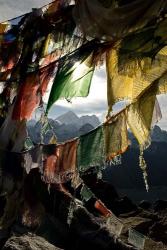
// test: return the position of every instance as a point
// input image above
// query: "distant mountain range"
(71, 118)
(65, 127)
(159, 135)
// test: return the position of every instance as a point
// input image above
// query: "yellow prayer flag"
(134, 78)
(140, 114)
(116, 136)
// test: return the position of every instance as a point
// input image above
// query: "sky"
(96, 102)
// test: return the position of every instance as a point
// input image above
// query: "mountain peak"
(158, 134)
(71, 118)
(68, 118)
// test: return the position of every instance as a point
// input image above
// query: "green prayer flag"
(28, 144)
(90, 151)
(86, 193)
(73, 78)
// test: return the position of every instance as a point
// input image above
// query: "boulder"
(28, 242)
(158, 231)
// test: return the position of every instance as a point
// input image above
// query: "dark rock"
(28, 242)
(138, 223)
(158, 231)
(88, 233)
(145, 204)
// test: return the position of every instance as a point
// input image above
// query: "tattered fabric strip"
(128, 84)
(140, 115)
(86, 193)
(152, 80)
(90, 152)
(157, 115)
(32, 158)
(74, 76)
(13, 134)
(45, 128)
(116, 135)
(53, 7)
(31, 92)
(100, 19)
(146, 111)
(10, 45)
(28, 98)
(59, 162)
(3, 27)
(141, 45)
(99, 205)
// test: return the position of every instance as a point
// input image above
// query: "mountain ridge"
(65, 127)
(71, 118)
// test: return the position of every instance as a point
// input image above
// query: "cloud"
(87, 108)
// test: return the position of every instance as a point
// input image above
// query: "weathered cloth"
(130, 83)
(90, 151)
(140, 115)
(112, 20)
(46, 31)
(46, 74)
(31, 92)
(99, 205)
(3, 27)
(53, 7)
(60, 162)
(86, 193)
(50, 47)
(145, 43)
(32, 158)
(28, 98)
(157, 115)
(145, 112)
(13, 134)
(116, 135)
(73, 77)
